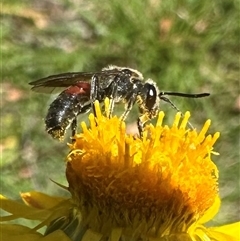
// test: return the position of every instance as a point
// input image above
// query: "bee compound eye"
(151, 95)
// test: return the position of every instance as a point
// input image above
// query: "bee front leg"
(141, 123)
(130, 102)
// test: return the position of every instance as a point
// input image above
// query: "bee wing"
(57, 82)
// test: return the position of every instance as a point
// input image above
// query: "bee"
(81, 89)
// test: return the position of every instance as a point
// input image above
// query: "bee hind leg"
(74, 128)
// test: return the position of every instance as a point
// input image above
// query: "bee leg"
(141, 123)
(94, 92)
(130, 102)
(74, 127)
(140, 126)
(112, 96)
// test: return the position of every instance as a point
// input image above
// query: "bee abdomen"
(61, 113)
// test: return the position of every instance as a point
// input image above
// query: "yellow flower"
(163, 187)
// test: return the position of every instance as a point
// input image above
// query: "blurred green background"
(186, 46)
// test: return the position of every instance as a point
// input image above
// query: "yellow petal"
(14, 232)
(211, 212)
(20, 210)
(40, 200)
(230, 232)
(116, 234)
(91, 236)
(55, 236)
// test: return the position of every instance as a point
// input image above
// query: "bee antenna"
(175, 107)
(184, 94)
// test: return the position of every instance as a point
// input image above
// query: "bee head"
(148, 99)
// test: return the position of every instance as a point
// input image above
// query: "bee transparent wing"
(55, 83)
(47, 89)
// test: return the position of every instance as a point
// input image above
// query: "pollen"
(155, 185)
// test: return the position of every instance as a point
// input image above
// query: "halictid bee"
(81, 89)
